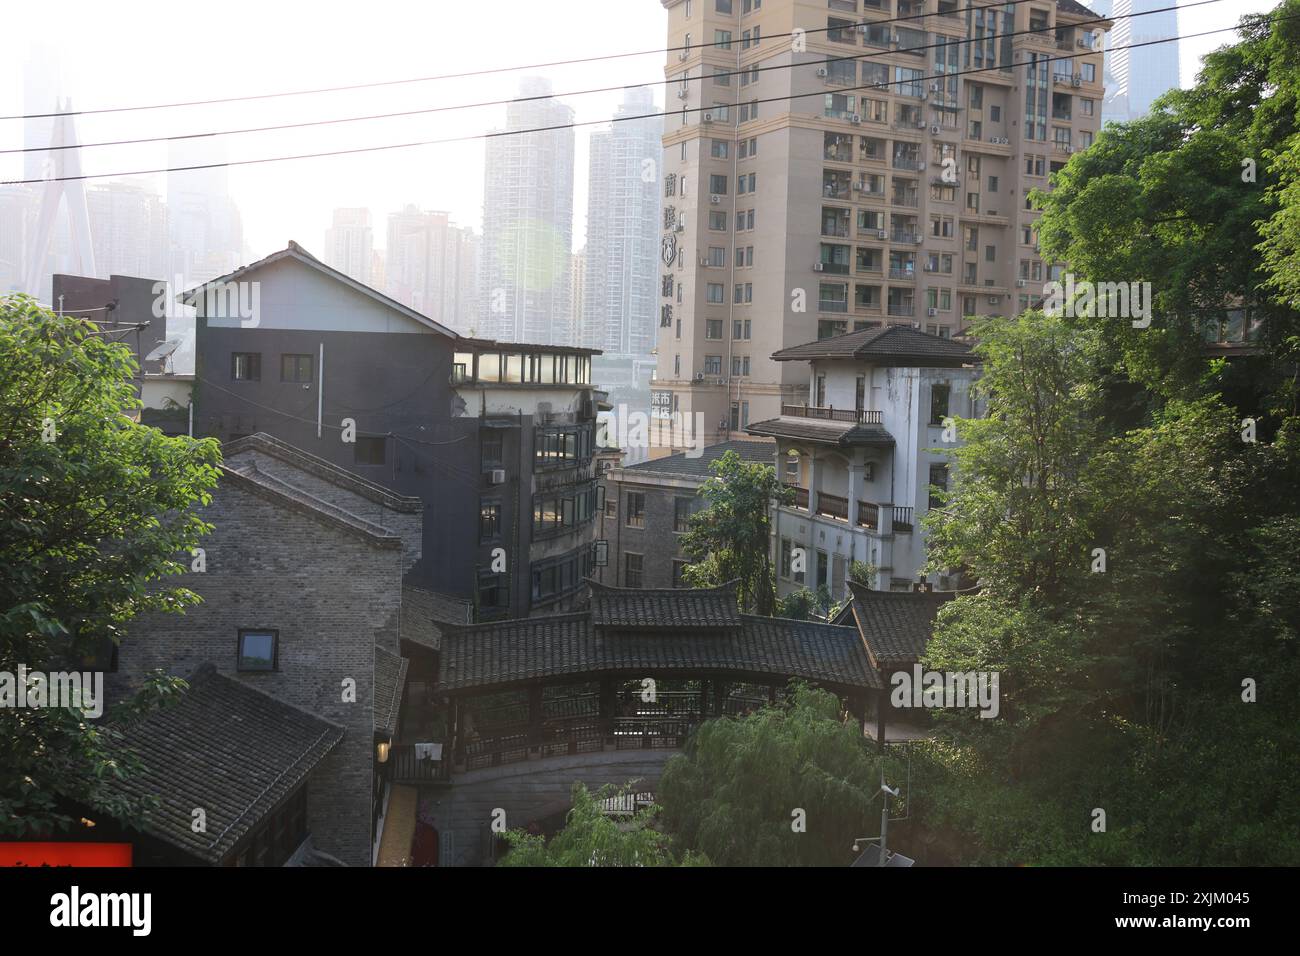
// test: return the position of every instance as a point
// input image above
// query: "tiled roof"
(390, 678)
(227, 748)
(654, 608)
(570, 644)
(425, 614)
(893, 345)
(822, 430)
(896, 625)
(683, 465)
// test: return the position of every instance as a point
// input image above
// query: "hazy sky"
(164, 50)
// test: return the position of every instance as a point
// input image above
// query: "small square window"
(246, 366)
(258, 650)
(295, 368)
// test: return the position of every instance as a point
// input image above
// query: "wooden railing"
(832, 414)
(406, 767)
(800, 496)
(833, 506)
(867, 517)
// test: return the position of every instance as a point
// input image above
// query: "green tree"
(734, 793)
(730, 539)
(592, 837)
(95, 511)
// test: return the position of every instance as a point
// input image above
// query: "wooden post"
(607, 707)
(703, 708)
(535, 718)
(882, 705)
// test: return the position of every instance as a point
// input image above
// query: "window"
(939, 395)
(246, 366)
(718, 184)
(295, 368)
(371, 450)
(721, 76)
(632, 566)
(491, 448)
(717, 257)
(679, 577)
(682, 514)
(713, 328)
(722, 39)
(719, 149)
(995, 114)
(564, 509)
(713, 365)
(717, 221)
(635, 509)
(939, 479)
(489, 520)
(558, 446)
(258, 650)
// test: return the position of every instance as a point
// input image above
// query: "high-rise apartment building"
(350, 244)
(1136, 76)
(620, 294)
(524, 258)
(128, 228)
(846, 164)
(431, 265)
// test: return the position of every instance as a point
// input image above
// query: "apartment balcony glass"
(835, 258)
(837, 147)
(833, 297)
(908, 198)
(837, 184)
(835, 222)
(841, 31)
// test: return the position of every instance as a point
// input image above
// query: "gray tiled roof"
(653, 608)
(822, 430)
(896, 625)
(390, 678)
(1072, 7)
(896, 345)
(227, 748)
(683, 465)
(425, 613)
(570, 644)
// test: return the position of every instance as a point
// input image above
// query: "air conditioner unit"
(1076, 80)
(929, 267)
(921, 124)
(715, 199)
(497, 476)
(681, 94)
(881, 234)
(699, 376)
(931, 311)
(704, 260)
(921, 167)
(1069, 149)
(993, 300)
(895, 39)
(935, 130)
(684, 55)
(818, 267)
(925, 97)
(706, 117)
(860, 187)
(1021, 283)
(823, 72)
(993, 139)
(934, 87)
(1083, 44)
(862, 28)
(855, 118)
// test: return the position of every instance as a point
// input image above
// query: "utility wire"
(572, 93)
(483, 72)
(617, 119)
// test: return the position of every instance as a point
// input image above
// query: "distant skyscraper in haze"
(350, 244)
(623, 203)
(524, 260)
(1135, 78)
(128, 229)
(206, 230)
(431, 265)
(41, 92)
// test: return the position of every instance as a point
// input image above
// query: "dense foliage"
(95, 511)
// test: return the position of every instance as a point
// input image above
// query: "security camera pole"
(888, 791)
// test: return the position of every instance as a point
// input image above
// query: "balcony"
(867, 515)
(831, 414)
(906, 200)
(902, 519)
(900, 235)
(901, 309)
(832, 305)
(907, 162)
(800, 496)
(907, 274)
(833, 506)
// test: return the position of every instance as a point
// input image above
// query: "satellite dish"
(164, 350)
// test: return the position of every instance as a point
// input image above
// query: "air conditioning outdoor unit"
(855, 118)
(715, 199)
(929, 267)
(699, 376)
(921, 124)
(993, 300)
(706, 117)
(497, 476)
(1076, 80)
(681, 94)
(934, 130)
(818, 267)
(1084, 44)
(934, 87)
(823, 72)
(881, 234)
(931, 311)
(1021, 283)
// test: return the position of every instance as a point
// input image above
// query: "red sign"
(65, 854)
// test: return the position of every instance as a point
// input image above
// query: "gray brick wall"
(331, 595)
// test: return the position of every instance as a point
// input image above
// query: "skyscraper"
(1136, 77)
(350, 244)
(524, 258)
(619, 297)
(431, 265)
(857, 175)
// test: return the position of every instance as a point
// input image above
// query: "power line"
(484, 72)
(617, 119)
(573, 93)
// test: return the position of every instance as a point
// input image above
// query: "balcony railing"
(867, 515)
(901, 235)
(902, 518)
(800, 496)
(831, 414)
(832, 305)
(833, 506)
(901, 309)
(908, 200)
(901, 273)
(835, 268)
(405, 767)
(903, 162)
